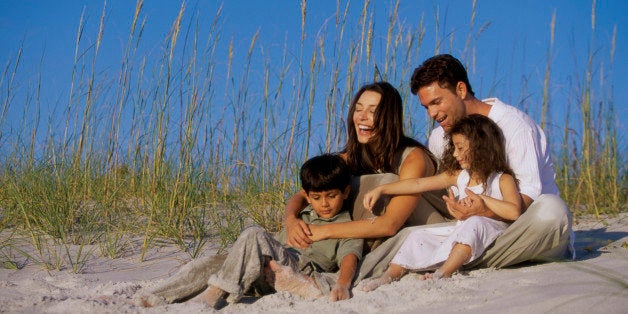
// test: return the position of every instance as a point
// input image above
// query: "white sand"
(596, 283)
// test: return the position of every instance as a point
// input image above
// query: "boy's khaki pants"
(241, 270)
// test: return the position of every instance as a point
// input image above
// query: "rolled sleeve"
(349, 246)
(524, 161)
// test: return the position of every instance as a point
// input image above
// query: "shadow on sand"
(590, 243)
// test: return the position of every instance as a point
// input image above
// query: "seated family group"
(482, 194)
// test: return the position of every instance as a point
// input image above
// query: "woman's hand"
(297, 233)
(316, 233)
(371, 197)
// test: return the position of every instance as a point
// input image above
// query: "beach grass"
(190, 146)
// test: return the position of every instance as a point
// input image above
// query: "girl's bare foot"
(288, 280)
(434, 276)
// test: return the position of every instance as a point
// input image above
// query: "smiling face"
(443, 105)
(327, 203)
(364, 115)
(461, 150)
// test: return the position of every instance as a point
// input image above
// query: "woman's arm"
(297, 231)
(416, 165)
(409, 186)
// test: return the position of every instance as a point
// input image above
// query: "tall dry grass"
(591, 170)
(190, 145)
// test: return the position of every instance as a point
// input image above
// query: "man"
(544, 230)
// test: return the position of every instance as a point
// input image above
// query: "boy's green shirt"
(326, 254)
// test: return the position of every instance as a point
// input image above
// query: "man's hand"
(297, 233)
(472, 205)
(339, 292)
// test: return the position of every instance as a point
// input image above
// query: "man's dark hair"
(325, 172)
(444, 69)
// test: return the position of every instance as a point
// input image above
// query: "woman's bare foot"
(371, 284)
(211, 297)
(288, 280)
(394, 272)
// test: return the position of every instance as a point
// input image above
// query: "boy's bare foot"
(146, 300)
(288, 280)
(373, 283)
(212, 297)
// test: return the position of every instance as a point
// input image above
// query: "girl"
(474, 164)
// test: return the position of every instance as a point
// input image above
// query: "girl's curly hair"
(487, 153)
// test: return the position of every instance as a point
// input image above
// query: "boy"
(257, 259)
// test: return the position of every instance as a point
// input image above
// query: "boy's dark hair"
(444, 69)
(325, 172)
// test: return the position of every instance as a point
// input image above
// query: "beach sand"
(596, 282)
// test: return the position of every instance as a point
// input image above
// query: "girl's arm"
(409, 186)
(416, 165)
(510, 207)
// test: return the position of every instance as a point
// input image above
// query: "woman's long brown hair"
(381, 154)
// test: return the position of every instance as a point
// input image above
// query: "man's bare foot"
(212, 297)
(288, 280)
(373, 283)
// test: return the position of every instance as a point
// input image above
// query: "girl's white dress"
(427, 248)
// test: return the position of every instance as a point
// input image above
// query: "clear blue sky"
(513, 45)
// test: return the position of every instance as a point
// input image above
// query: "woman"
(379, 152)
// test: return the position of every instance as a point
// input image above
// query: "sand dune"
(596, 282)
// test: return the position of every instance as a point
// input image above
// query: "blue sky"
(512, 43)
